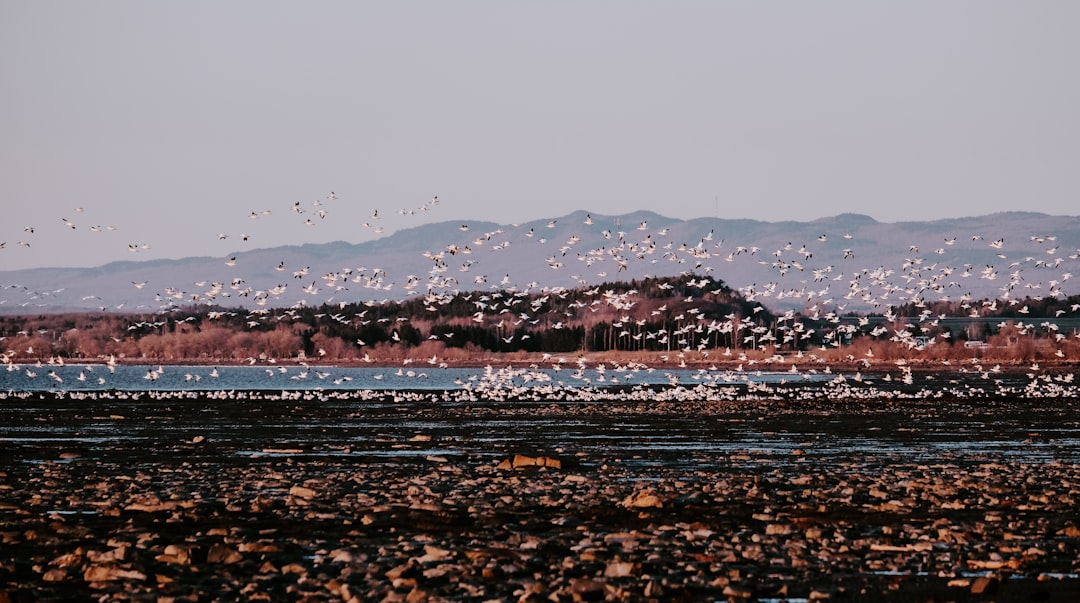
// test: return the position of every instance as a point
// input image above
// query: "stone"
(984, 585)
(302, 492)
(737, 593)
(546, 461)
(520, 460)
(116, 554)
(434, 553)
(220, 553)
(585, 589)
(108, 573)
(179, 555)
(620, 569)
(778, 529)
(55, 575)
(642, 500)
(341, 556)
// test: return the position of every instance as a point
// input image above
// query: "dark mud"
(308, 497)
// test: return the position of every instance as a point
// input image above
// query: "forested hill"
(684, 316)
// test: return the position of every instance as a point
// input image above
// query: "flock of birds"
(454, 266)
(818, 277)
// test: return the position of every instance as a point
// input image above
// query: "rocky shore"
(275, 498)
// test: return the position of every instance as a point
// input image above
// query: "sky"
(168, 123)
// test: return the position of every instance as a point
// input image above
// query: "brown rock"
(341, 556)
(220, 553)
(737, 593)
(67, 560)
(520, 460)
(778, 529)
(620, 569)
(585, 589)
(116, 554)
(433, 553)
(179, 555)
(984, 585)
(546, 461)
(258, 547)
(293, 568)
(400, 571)
(55, 575)
(642, 500)
(107, 573)
(302, 492)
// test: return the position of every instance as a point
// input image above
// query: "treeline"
(675, 314)
(646, 314)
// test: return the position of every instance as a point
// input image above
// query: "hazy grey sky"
(174, 121)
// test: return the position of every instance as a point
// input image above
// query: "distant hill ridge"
(850, 260)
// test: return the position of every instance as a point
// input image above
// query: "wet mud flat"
(307, 496)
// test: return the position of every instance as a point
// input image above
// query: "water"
(96, 377)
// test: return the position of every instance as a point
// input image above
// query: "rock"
(220, 553)
(400, 571)
(642, 500)
(258, 547)
(778, 529)
(67, 560)
(584, 589)
(546, 461)
(620, 569)
(341, 556)
(153, 507)
(116, 554)
(984, 585)
(108, 573)
(520, 460)
(737, 593)
(55, 575)
(434, 553)
(293, 568)
(178, 555)
(302, 492)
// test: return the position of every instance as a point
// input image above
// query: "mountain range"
(849, 261)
